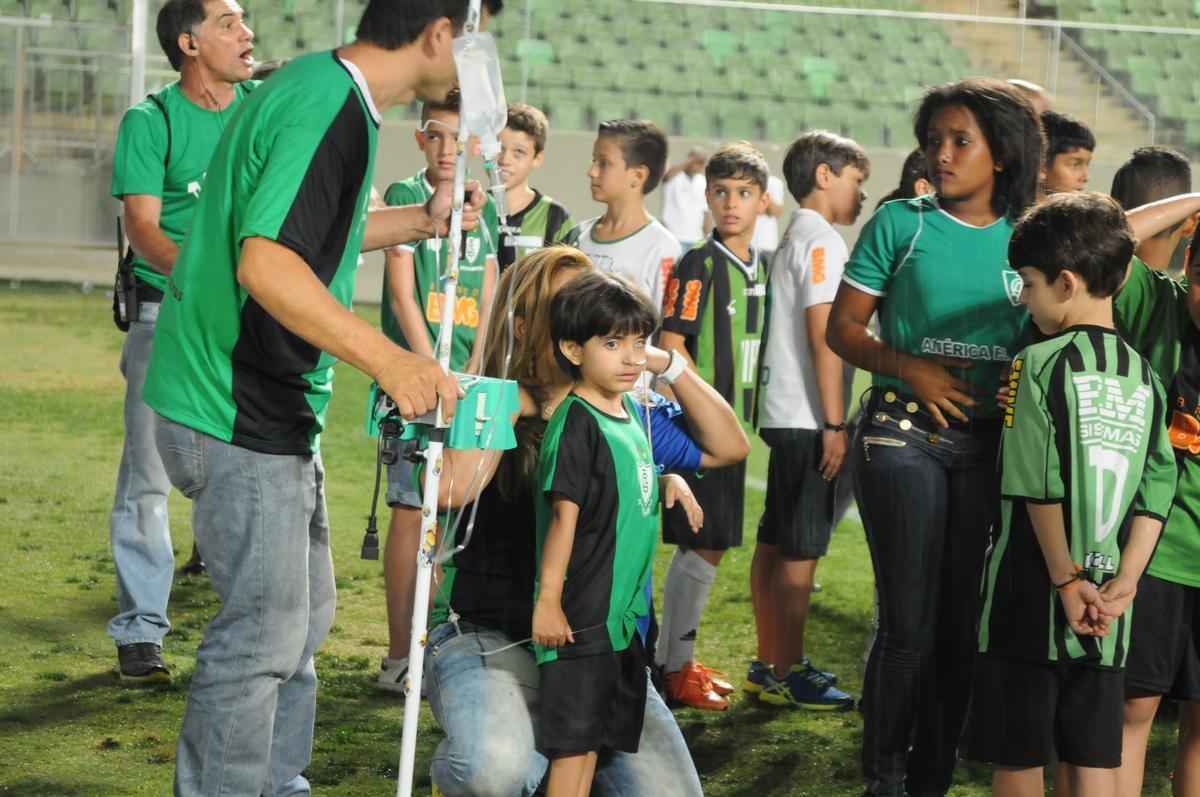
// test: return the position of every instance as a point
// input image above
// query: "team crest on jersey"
(646, 486)
(1012, 286)
(472, 248)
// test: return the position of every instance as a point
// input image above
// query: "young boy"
(804, 392)
(534, 220)
(1151, 174)
(1069, 148)
(411, 315)
(713, 318)
(597, 519)
(628, 161)
(1087, 480)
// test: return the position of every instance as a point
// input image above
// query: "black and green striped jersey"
(1085, 427)
(717, 302)
(604, 465)
(542, 223)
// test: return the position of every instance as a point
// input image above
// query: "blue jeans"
(487, 706)
(138, 531)
(261, 526)
(928, 498)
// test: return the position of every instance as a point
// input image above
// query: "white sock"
(689, 579)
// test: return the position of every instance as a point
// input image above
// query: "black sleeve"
(574, 459)
(687, 291)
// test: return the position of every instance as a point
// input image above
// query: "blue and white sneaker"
(806, 663)
(804, 687)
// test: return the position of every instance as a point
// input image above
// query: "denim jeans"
(138, 532)
(928, 498)
(487, 706)
(261, 526)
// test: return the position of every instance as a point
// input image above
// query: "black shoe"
(142, 663)
(194, 566)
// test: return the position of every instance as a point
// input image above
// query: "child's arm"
(486, 299)
(1149, 220)
(675, 490)
(830, 372)
(1081, 600)
(1135, 556)
(402, 283)
(550, 626)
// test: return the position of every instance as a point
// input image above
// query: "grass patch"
(68, 728)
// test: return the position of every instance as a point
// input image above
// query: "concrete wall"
(58, 211)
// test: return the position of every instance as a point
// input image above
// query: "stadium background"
(704, 70)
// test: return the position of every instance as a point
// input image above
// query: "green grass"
(67, 728)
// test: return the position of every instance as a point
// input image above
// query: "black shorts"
(1024, 713)
(1163, 658)
(799, 511)
(592, 703)
(722, 495)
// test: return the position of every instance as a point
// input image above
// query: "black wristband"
(835, 427)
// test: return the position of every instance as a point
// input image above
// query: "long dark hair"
(1012, 129)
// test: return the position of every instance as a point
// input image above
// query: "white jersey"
(805, 272)
(684, 206)
(766, 229)
(646, 256)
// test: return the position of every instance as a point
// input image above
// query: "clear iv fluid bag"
(484, 107)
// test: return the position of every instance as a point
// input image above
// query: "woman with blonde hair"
(481, 675)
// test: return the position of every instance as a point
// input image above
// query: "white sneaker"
(392, 673)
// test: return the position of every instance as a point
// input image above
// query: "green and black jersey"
(1086, 428)
(542, 223)
(604, 465)
(716, 302)
(294, 167)
(164, 146)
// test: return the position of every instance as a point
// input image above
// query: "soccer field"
(68, 728)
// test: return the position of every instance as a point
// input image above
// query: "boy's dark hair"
(391, 25)
(915, 167)
(1065, 133)
(530, 121)
(175, 18)
(1011, 127)
(738, 161)
(452, 104)
(1150, 174)
(1083, 232)
(642, 144)
(598, 304)
(810, 151)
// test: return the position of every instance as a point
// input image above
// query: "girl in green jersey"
(935, 269)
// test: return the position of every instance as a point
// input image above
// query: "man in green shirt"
(256, 314)
(162, 154)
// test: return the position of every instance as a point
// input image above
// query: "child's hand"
(1084, 608)
(657, 359)
(937, 389)
(833, 453)
(1117, 595)
(550, 626)
(675, 490)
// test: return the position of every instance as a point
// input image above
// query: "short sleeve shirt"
(293, 167)
(715, 300)
(142, 164)
(684, 206)
(429, 262)
(805, 272)
(543, 223)
(766, 228)
(646, 257)
(945, 289)
(1085, 428)
(1151, 313)
(602, 464)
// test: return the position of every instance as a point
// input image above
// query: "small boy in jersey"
(411, 314)
(804, 393)
(1087, 479)
(628, 161)
(1069, 148)
(712, 316)
(597, 519)
(1151, 174)
(534, 219)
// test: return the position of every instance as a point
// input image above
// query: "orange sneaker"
(719, 680)
(691, 687)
